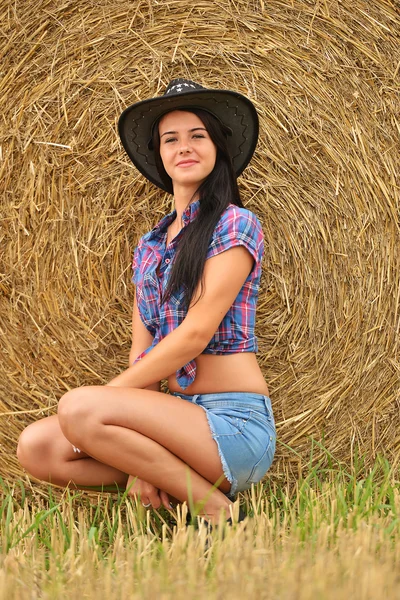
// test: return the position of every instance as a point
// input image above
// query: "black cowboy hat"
(235, 111)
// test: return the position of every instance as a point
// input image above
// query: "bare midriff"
(224, 373)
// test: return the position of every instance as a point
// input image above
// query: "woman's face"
(186, 149)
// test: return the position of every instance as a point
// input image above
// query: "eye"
(195, 135)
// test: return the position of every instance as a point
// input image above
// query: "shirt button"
(167, 261)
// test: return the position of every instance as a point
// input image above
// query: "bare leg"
(45, 453)
(161, 439)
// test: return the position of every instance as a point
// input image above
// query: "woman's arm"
(224, 275)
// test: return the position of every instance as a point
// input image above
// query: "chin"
(192, 181)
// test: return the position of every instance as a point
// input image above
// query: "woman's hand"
(149, 494)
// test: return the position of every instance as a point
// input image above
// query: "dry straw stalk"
(324, 77)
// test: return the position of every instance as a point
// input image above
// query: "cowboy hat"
(235, 111)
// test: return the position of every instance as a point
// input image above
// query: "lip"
(187, 163)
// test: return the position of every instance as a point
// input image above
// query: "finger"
(165, 500)
(154, 498)
(134, 492)
(132, 485)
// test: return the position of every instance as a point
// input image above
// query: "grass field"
(334, 534)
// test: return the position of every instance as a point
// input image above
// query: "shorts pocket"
(262, 466)
(263, 417)
(236, 418)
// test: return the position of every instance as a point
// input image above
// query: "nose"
(185, 147)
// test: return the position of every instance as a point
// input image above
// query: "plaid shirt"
(236, 227)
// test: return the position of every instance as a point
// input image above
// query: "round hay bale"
(324, 77)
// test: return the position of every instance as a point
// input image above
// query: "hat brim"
(233, 109)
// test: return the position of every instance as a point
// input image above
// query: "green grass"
(332, 534)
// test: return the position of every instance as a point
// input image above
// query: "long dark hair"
(215, 193)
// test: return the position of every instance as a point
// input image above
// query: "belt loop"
(268, 405)
(195, 397)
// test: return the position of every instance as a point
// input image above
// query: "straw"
(323, 181)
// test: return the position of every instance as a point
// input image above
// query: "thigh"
(178, 425)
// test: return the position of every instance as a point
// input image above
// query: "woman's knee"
(76, 414)
(34, 449)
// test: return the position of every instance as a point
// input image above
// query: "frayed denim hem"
(232, 494)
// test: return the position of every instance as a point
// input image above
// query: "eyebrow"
(190, 130)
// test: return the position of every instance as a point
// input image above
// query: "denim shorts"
(242, 424)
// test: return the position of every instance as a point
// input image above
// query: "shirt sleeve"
(237, 227)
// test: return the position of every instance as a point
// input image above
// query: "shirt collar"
(188, 215)
(191, 212)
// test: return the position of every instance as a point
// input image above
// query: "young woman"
(196, 278)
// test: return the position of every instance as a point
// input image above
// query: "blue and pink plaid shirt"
(236, 227)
